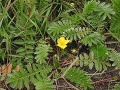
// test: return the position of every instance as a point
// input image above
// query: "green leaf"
(44, 84)
(41, 52)
(21, 42)
(20, 50)
(115, 22)
(100, 52)
(56, 64)
(24, 77)
(89, 8)
(91, 65)
(104, 10)
(56, 29)
(79, 77)
(26, 82)
(116, 87)
(93, 38)
(29, 69)
(75, 33)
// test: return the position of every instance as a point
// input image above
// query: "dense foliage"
(29, 30)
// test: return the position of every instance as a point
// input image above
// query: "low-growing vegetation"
(59, 44)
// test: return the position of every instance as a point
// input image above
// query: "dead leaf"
(9, 68)
(3, 69)
(6, 69)
(17, 68)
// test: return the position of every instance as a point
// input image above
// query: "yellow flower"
(74, 51)
(72, 4)
(62, 42)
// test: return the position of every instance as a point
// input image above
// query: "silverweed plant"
(59, 44)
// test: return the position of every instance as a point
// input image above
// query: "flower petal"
(62, 46)
(66, 41)
(62, 42)
(60, 39)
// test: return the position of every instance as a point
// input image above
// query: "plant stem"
(72, 86)
(58, 53)
(63, 75)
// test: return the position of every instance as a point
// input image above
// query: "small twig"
(107, 34)
(72, 86)
(112, 42)
(95, 74)
(116, 82)
(51, 73)
(105, 80)
(63, 75)
(13, 3)
(63, 86)
(6, 85)
(8, 5)
(56, 84)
